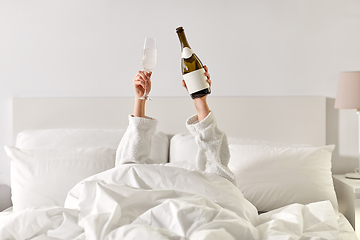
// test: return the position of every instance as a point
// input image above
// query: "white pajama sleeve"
(135, 145)
(213, 151)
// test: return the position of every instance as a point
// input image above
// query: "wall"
(253, 48)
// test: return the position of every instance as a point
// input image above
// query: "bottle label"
(186, 52)
(196, 80)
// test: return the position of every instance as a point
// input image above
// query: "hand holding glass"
(148, 59)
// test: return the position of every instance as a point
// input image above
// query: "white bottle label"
(186, 52)
(196, 81)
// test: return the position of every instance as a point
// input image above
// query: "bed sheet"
(346, 231)
(162, 202)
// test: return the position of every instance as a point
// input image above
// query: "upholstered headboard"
(285, 119)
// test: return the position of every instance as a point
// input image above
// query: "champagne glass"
(148, 59)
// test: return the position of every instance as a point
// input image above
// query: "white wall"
(253, 48)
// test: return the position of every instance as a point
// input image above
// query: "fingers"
(142, 78)
(207, 75)
(209, 82)
(184, 84)
(207, 78)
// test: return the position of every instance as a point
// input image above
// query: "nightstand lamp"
(348, 97)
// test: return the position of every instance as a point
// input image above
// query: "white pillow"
(183, 146)
(87, 138)
(43, 177)
(272, 176)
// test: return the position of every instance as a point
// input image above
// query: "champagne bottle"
(192, 69)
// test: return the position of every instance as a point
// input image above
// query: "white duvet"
(141, 201)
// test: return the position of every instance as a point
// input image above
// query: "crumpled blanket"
(140, 201)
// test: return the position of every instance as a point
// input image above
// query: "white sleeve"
(213, 151)
(135, 145)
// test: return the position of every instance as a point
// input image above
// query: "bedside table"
(348, 196)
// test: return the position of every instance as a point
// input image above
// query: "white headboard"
(285, 119)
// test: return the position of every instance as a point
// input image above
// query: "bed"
(65, 186)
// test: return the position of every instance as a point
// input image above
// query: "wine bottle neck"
(183, 40)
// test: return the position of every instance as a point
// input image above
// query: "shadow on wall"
(5, 197)
(340, 163)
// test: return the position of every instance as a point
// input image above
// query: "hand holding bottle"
(207, 79)
(200, 103)
(192, 69)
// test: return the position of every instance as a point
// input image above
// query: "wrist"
(139, 108)
(202, 107)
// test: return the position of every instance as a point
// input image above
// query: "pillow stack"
(270, 174)
(46, 164)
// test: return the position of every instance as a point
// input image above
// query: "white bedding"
(152, 201)
(162, 202)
